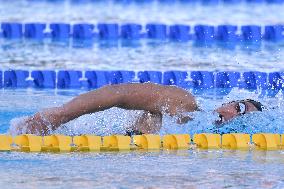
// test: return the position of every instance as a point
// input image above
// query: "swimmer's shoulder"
(163, 90)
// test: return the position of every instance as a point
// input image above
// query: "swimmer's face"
(231, 110)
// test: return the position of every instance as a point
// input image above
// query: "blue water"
(161, 169)
(168, 169)
(165, 169)
(146, 55)
(143, 55)
(168, 13)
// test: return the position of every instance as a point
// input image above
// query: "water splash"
(18, 126)
(268, 121)
(112, 121)
(117, 121)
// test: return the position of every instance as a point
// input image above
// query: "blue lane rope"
(73, 79)
(134, 31)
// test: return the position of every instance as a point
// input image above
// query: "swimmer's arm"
(181, 115)
(94, 101)
(121, 96)
(90, 102)
(182, 119)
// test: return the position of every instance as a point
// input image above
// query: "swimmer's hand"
(37, 126)
(42, 123)
(29, 125)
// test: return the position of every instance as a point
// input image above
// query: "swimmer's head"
(234, 109)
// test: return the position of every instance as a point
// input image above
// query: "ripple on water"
(210, 169)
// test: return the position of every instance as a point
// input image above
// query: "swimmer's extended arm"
(128, 96)
(94, 101)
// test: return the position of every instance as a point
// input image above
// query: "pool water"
(168, 13)
(167, 169)
(163, 169)
(141, 169)
(144, 55)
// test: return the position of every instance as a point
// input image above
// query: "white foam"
(18, 126)
(112, 121)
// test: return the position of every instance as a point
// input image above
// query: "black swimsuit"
(131, 132)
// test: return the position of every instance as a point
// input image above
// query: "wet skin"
(231, 110)
(155, 100)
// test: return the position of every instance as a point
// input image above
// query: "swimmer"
(155, 100)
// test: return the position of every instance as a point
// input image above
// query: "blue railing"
(73, 79)
(132, 31)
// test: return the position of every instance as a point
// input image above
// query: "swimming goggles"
(241, 107)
